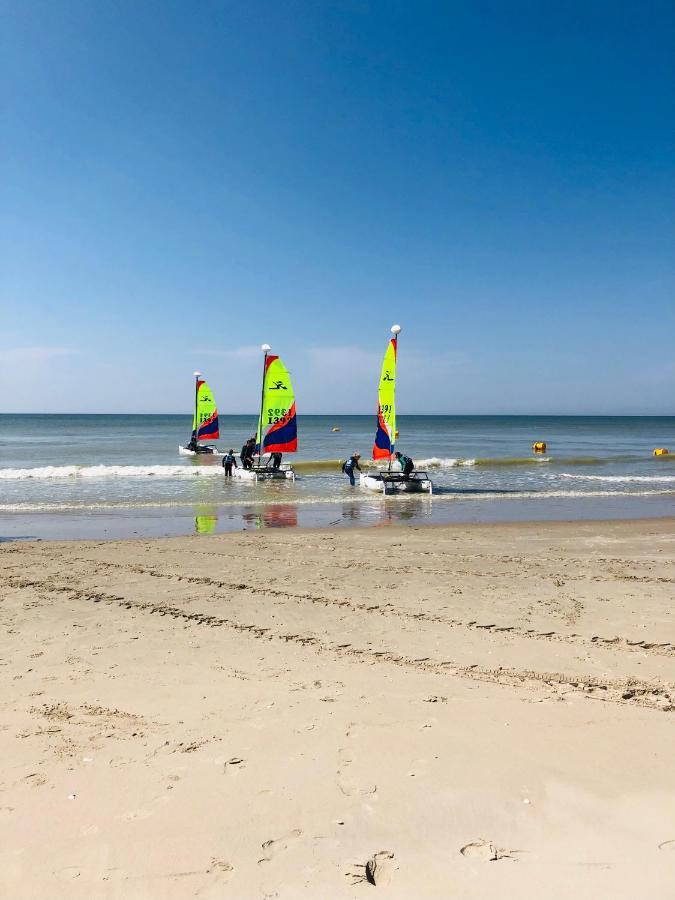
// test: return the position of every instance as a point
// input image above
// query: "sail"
(277, 428)
(205, 422)
(386, 409)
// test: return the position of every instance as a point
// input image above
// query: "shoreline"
(516, 524)
(115, 523)
(484, 705)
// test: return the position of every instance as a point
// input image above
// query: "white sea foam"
(50, 472)
(549, 495)
(365, 500)
(453, 462)
(621, 479)
(440, 462)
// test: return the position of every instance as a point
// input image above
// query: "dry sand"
(460, 712)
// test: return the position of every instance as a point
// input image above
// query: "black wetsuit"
(407, 465)
(348, 468)
(228, 462)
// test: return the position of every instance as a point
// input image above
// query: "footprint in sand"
(378, 870)
(667, 845)
(278, 845)
(218, 874)
(486, 851)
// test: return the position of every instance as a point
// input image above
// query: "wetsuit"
(229, 461)
(348, 468)
(247, 452)
(407, 465)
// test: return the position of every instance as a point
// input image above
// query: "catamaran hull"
(394, 483)
(262, 473)
(204, 451)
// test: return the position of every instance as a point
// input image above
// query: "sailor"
(407, 465)
(247, 453)
(349, 466)
(229, 460)
(193, 445)
(276, 461)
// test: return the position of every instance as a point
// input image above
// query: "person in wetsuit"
(229, 460)
(349, 466)
(276, 461)
(247, 453)
(407, 465)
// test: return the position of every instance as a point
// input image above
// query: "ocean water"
(116, 475)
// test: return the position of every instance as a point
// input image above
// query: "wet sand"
(464, 711)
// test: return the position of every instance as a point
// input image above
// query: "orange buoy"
(661, 451)
(539, 446)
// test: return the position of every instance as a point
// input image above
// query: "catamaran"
(388, 481)
(204, 422)
(277, 431)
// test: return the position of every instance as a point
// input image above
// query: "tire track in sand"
(629, 690)
(389, 609)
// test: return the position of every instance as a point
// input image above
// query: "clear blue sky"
(183, 181)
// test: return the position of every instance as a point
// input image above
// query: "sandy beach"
(471, 711)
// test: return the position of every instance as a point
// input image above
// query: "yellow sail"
(386, 408)
(205, 421)
(277, 427)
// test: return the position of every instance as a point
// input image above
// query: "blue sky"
(183, 181)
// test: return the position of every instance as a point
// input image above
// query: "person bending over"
(407, 465)
(247, 453)
(349, 466)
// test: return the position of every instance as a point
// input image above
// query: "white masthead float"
(204, 422)
(277, 431)
(388, 481)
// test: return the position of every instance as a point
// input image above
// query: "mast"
(265, 349)
(395, 330)
(197, 375)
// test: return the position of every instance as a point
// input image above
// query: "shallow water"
(97, 475)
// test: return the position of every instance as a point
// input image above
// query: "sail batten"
(205, 421)
(277, 426)
(386, 407)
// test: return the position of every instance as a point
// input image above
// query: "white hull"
(265, 473)
(206, 451)
(396, 482)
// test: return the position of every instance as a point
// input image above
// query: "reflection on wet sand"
(206, 518)
(400, 509)
(275, 515)
(285, 515)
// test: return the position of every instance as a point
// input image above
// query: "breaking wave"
(438, 462)
(621, 479)
(50, 472)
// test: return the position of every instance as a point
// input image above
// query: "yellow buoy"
(539, 446)
(335, 428)
(661, 451)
